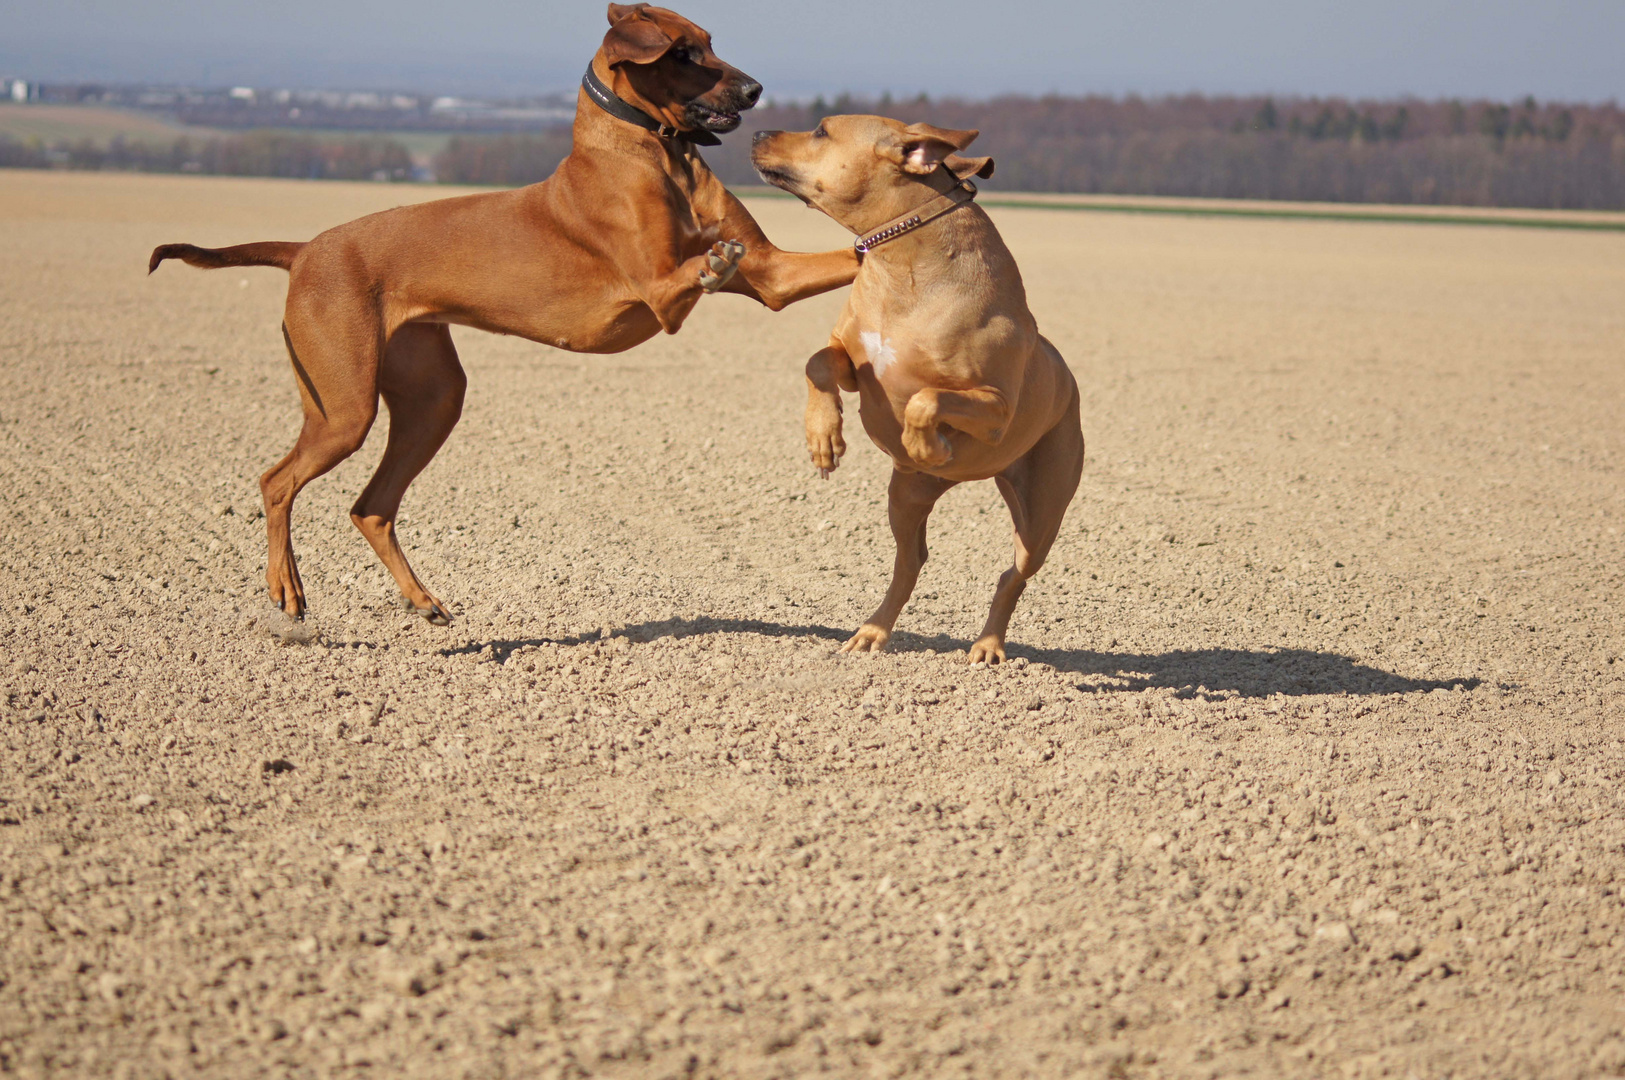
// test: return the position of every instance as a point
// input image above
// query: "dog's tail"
(267, 253)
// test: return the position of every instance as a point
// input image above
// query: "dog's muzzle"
(776, 175)
(722, 115)
(712, 118)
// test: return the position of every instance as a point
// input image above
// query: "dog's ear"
(633, 37)
(920, 148)
(967, 167)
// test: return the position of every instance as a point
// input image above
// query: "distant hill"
(73, 123)
(1482, 153)
(1444, 153)
(1451, 153)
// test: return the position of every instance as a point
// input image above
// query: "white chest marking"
(881, 353)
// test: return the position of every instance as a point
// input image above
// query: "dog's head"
(664, 65)
(862, 170)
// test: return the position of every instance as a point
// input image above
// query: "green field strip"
(1284, 213)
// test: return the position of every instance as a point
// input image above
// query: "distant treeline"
(1479, 153)
(1444, 153)
(257, 153)
(505, 160)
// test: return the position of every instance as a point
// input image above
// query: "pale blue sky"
(1568, 49)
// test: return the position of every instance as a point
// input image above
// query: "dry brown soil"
(1308, 762)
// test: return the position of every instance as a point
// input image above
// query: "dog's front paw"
(824, 440)
(927, 446)
(721, 262)
(924, 440)
(869, 638)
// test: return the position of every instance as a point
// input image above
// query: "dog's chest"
(878, 350)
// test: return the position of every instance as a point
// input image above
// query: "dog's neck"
(954, 260)
(597, 131)
(907, 202)
(922, 239)
(597, 89)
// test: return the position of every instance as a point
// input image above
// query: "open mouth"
(711, 118)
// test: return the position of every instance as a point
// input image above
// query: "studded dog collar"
(621, 109)
(961, 193)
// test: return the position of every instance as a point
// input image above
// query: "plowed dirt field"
(1308, 761)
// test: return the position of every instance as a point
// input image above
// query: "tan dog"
(953, 379)
(616, 246)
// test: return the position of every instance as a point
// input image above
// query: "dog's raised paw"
(723, 261)
(825, 443)
(928, 446)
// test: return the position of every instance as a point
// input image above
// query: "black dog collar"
(606, 99)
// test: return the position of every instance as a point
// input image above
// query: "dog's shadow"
(1191, 673)
(1249, 673)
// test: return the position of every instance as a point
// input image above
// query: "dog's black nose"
(762, 136)
(752, 91)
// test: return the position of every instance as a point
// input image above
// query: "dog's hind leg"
(337, 387)
(908, 505)
(1038, 487)
(422, 383)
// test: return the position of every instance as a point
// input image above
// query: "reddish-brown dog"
(616, 246)
(953, 378)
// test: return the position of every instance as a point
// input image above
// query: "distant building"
(243, 93)
(22, 91)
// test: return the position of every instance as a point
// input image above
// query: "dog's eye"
(692, 55)
(820, 133)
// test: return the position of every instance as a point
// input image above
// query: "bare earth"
(1309, 761)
